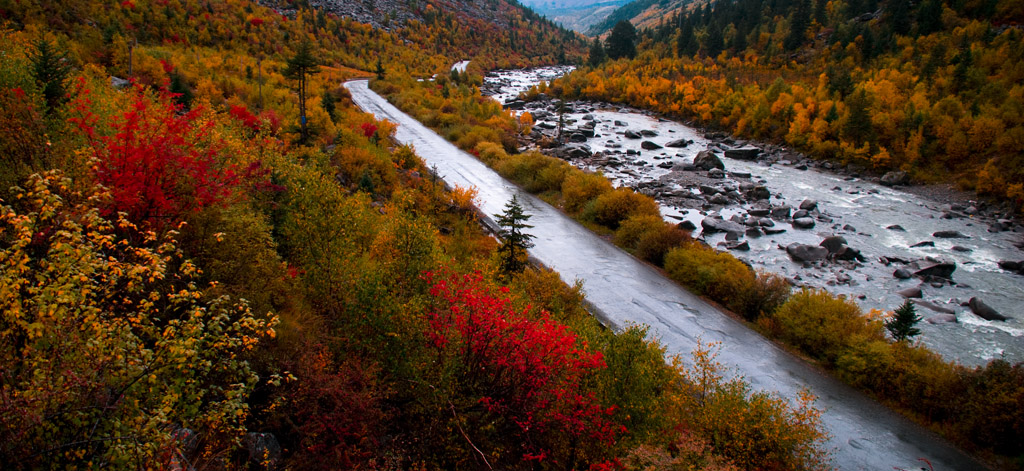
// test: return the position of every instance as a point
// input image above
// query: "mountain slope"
(577, 15)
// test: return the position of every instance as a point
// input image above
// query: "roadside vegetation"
(964, 404)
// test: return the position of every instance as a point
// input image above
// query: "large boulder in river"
(933, 267)
(894, 178)
(806, 252)
(713, 224)
(984, 311)
(749, 153)
(833, 243)
(632, 135)
(648, 145)
(678, 143)
(705, 160)
(808, 205)
(949, 235)
(803, 223)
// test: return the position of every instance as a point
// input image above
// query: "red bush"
(527, 371)
(159, 164)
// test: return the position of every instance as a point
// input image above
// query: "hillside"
(211, 259)
(930, 88)
(577, 15)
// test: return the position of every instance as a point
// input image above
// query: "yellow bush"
(536, 172)
(611, 208)
(824, 326)
(715, 274)
(649, 237)
(490, 152)
(579, 188)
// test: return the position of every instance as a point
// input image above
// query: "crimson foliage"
(159, 163)
(527, 373)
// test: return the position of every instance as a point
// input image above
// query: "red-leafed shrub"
(242, 114)
(335, 411)
(159, 164)
(521, 377)
(368, 129)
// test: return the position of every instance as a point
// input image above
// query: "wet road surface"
(865, 435)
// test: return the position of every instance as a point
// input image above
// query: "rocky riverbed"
(872, 238)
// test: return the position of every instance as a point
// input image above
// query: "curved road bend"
(866, 435)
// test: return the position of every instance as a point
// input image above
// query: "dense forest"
(933, 88)
(210, 259)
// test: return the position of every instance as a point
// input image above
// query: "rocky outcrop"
(933, 268)
(895, 178)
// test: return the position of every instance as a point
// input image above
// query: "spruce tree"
(299, 66)
(50, 69)
(622, 41)
(902, 324)
(514, 240)
(597, 55)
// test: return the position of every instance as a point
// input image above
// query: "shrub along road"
(622, 290)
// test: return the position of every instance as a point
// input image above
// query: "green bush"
(536, 172)
(763, 296)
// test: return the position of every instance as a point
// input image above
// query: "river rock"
(849, 253)
(781, 212)
(912, 292)
(833, 243)
(759, 193)
(716, 173)
(687, 225)
(902, 273)
(949, 235)
(759, 211)
(719, 199)
(773, 230)
(749, 153)
(678, 143)
(632, 135)
(896, 227)
(897, 177)
(935, 307)
(712, 224)
(926, 243)
(942, 319)
(806, 252)
(648, 145)
(808, 205)
(984, 311)
(621, 123)
(706, 160)
(960, 248)
(648, 133)
(804, 223)
(801, 213)
(1013, 266)
(577, 137)
(738, 245)
(933, 268)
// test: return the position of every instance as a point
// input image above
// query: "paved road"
(865, 435)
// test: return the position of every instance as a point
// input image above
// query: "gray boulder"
(806, 252)
(949, 235)
(632, 135)
(896, 227)
(716, 173)
(942, 319)
(687, 225)
(648, 145)
(894, 178)
(833, 243)
(712, 224)
(808, 205)
(781, 212)
(933, 267)
(748, 153)
(804, 223)
(913, 292)
(902, 273)
(984, 311)
(759, 193)
(705, 160)
(678, 143)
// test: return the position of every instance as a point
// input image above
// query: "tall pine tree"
(299, 66)
(902, 324)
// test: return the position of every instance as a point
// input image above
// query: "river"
(865, 435)
(855, 208)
